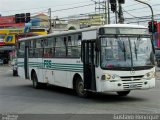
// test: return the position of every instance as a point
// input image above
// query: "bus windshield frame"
(134, 54)
(123, 31)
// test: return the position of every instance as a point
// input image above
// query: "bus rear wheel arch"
(34, 78)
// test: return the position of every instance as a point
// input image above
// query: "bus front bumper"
(108, 86)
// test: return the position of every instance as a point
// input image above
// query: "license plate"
(133, 86)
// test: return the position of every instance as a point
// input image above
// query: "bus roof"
(62, 33)
(84, 29)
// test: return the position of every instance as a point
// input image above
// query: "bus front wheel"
(123, 93)
(80, 88)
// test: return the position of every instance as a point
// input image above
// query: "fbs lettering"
(47, 63)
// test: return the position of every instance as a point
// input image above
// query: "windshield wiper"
(135, 50)
(124, 51)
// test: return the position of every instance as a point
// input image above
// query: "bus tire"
(36, 84)
(80, 88)
(158, 63)
(15, 73)
(123, 93)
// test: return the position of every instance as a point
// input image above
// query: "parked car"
(1, 62)
(157, 54)
(14, 67)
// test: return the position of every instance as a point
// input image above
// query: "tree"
(72, 28)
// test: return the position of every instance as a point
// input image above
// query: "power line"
(130, 5)
(45, 7)
(142, 7)
(128, 13)
(72, 8)
(142, 21)
(144, 17)
(65, 8)
(78, 15)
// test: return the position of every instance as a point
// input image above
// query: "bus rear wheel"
(123, 93)
(36, 84)
(80, 88)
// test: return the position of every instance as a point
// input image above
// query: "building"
(40, 20)
(78, 22)
(11, 31)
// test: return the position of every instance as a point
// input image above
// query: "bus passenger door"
(26, 69)
(88, 56)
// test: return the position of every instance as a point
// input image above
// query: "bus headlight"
(106, 77)
(109, 77)
(149, 75)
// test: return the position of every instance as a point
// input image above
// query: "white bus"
(110, 58)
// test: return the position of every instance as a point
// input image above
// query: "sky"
(132, 8)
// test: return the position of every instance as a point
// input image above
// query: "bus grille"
(131, 78)
(132, 82)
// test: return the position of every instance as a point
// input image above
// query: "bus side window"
(48, 52)
(45, 42)
(79, 37)
(40, 52)
(56, 50)
(21, 49)
(34, 44)
(18, 48)
(69, 47)
(50, 42)
(54, 45)
(42, 43)
(66, 46)
(30, 48)
(60, 49)
(75, 46)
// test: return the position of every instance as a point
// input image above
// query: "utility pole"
(108, 11)
(152, 18)
(50, 21)
(104, 6)
(120, 14)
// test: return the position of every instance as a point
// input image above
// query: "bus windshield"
(126, 52)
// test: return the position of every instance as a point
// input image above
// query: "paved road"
(18, 96)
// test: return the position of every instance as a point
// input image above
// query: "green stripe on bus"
(55, 66)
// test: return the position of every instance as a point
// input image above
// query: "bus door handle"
(77, 61)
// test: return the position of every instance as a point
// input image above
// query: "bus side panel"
(34, 64)
(40, 70)
(76, 68)
(98, 74)
(61, 73)
(48, 71)
(20, 63)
